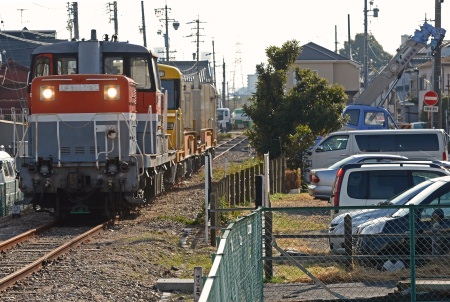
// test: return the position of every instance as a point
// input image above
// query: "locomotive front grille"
(65, 150)
(79, 150)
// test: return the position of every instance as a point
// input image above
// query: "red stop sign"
(430, 98)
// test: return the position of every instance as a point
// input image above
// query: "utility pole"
(176, 24)
(335, 40)
(114, 18)
(214, 64)
(144, 34)
(72, 23)
(366, 40)
(437, 66)
(225, 103)
(197, 40)
(350, 56)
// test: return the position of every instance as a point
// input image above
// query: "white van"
(415, 144)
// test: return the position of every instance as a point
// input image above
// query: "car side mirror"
(319, 149)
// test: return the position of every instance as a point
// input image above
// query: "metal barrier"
(236, 273)
(9, 193)
(363, 255)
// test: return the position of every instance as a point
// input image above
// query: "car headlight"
(112, 92)
(47, 93)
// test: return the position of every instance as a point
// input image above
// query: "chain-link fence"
(367, 254)
(236, 274)
(9, 193)
(387, 253)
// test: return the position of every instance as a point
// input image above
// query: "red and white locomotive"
(96, 130)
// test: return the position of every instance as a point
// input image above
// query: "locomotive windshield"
(113, 65)
(42, 67)
(67, 65)
(139, 72)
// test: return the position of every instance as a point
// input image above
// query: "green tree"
(287, 122)
(377, 57)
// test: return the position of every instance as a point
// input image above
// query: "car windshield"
(413, 192)
(402, 197)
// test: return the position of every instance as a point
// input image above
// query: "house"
(16, 47)
(335, 68)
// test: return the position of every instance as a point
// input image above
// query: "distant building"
(252, 79)
(19, 44)
(16, 47)
(335, 68)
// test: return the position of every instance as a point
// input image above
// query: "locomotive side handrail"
(148, 119)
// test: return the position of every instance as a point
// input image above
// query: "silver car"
(321, 180)
(362, 216)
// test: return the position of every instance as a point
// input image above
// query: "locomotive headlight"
(112, 92)
(47, 93)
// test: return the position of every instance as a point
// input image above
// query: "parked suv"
(365, 184)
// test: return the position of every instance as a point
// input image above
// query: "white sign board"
(430, 108)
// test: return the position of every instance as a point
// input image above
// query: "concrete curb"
(175, 285)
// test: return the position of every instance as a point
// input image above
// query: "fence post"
(227, 190)
(213, 218)
(271, 177)
(242, 187)
(259, 188)
(198, 284)
(283, 174)
(252, 183)
(348, 240)
(232, 190)
(236, 188)
(268, 264)
(248, 190)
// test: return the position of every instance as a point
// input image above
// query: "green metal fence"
(236, 273)
(9, 193)
(301, 254)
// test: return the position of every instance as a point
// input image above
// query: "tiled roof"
(19, 44)
(314, 52)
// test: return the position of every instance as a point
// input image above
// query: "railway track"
(233, 143)
(82, 274)
(28, 252)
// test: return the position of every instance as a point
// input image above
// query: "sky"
(241, 30)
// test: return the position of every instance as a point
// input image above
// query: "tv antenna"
(21, 15)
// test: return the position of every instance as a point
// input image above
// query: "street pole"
(437, 67)
(166, 36)
(366, 40)
(366, 69)
(176, 24)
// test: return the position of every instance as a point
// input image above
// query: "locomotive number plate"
(79, 87)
